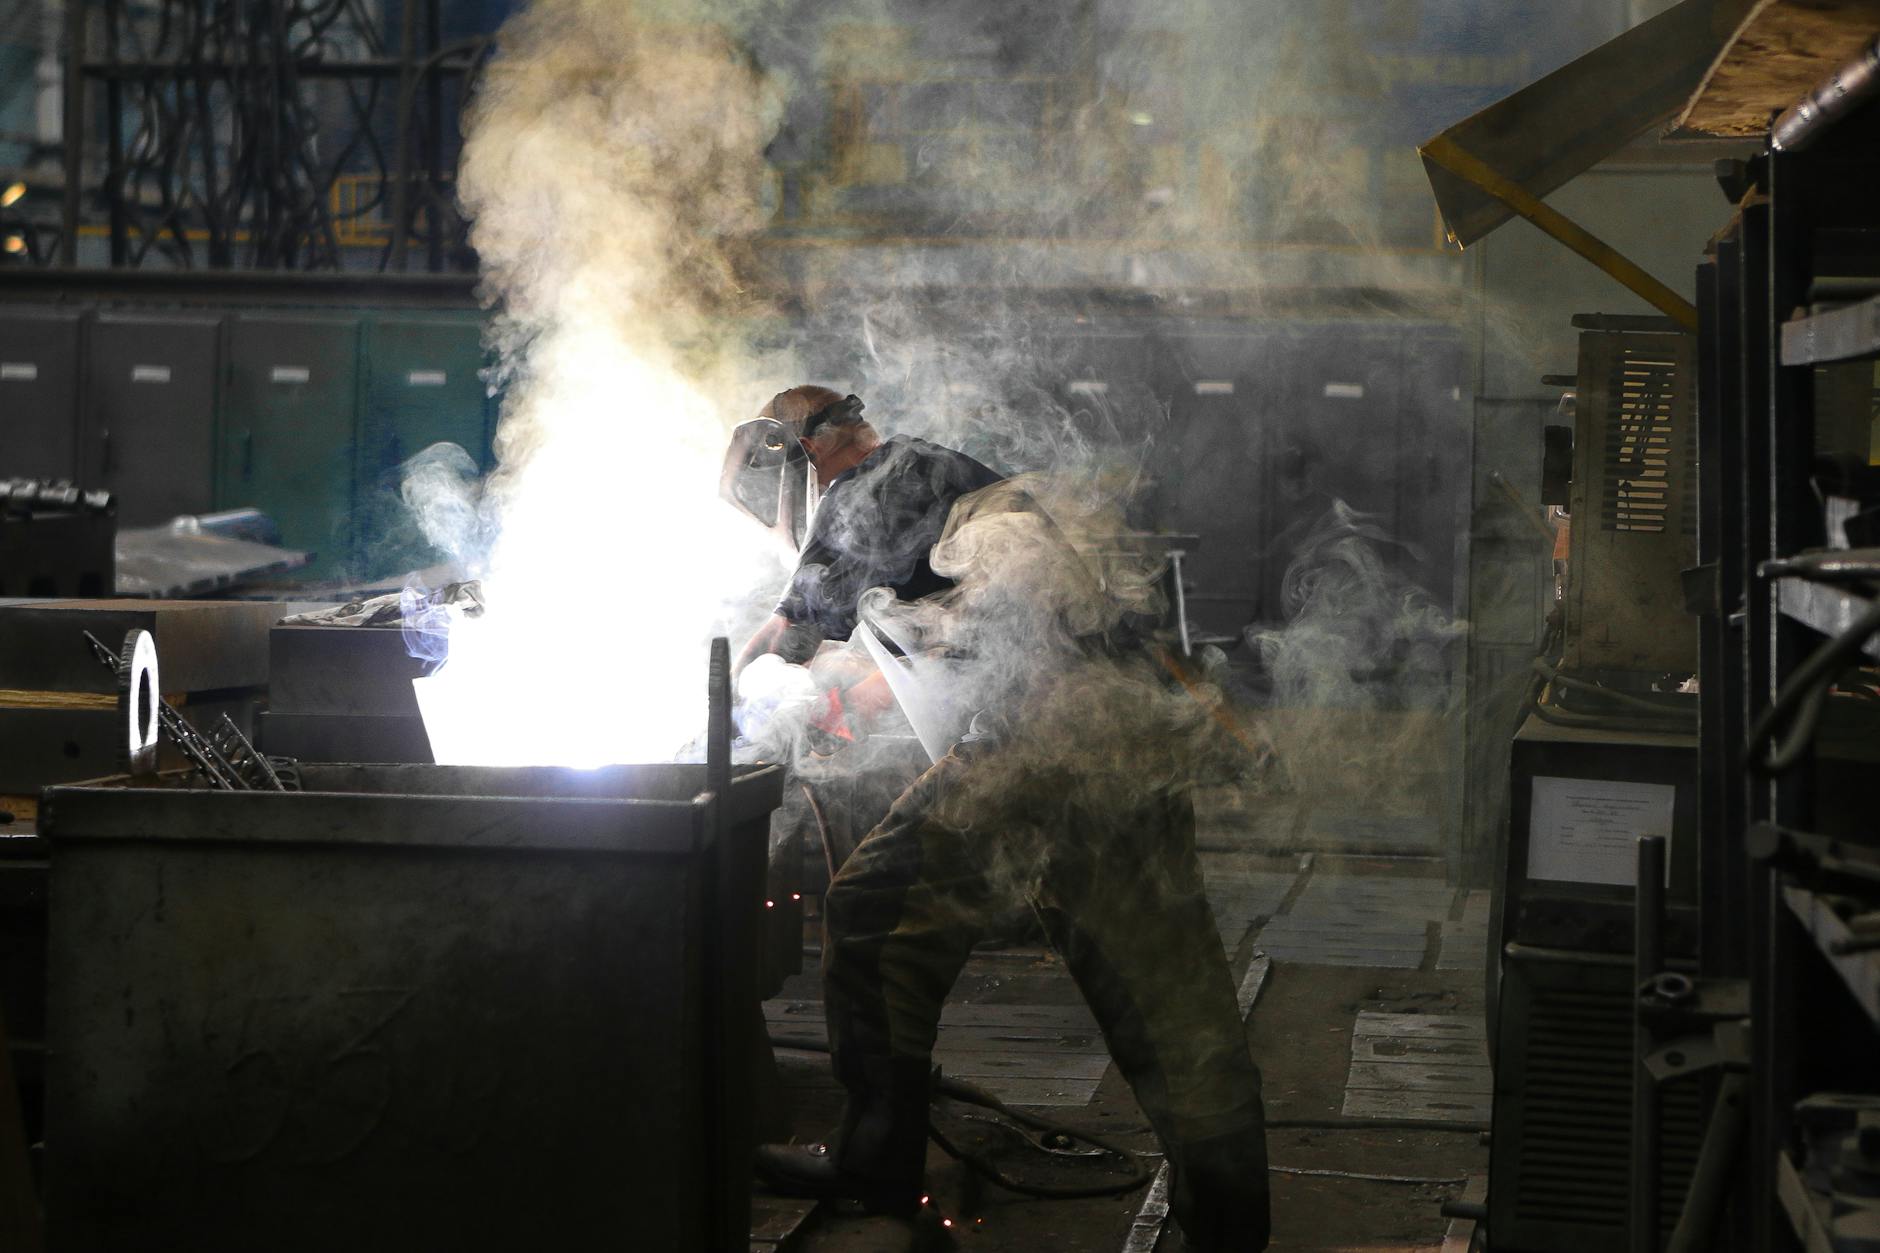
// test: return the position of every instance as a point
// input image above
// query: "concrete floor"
(1406, 997)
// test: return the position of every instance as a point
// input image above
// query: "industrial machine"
(1607, 753)
(56, 539)
(1632, 501)
(400, 1004)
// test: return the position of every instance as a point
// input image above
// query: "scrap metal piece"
(256, 770)
(139, 693)
(203, 755)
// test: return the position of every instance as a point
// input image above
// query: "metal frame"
(255, 196)
(1757, 427)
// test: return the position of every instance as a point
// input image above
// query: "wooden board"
(1419, 1066)
(1780, 52)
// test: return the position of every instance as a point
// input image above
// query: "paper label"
(18, 371)
(1214, 387)
(150, 374)
(1587, 830)
(426, 378)
(1345, 391)
(1087, 387)
(289, 374)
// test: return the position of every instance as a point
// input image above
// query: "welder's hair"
(808, 409)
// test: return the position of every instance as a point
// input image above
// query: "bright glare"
(11, 196)
(616, 565)
(16, 243)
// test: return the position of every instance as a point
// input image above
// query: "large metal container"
(409, 1007)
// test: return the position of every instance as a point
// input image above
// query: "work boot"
(876, 1156)
(1219, 1193)
(811, 1170)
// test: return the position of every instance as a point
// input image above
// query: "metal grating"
(1574, 1164)
(1642, 440)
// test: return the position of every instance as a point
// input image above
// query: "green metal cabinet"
(288, 422)
(148, 433)
(422, 385)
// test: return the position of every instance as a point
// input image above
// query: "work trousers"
(1119, 894)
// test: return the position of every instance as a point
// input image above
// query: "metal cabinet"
(39, 352)
(286, 443)
(149, 429)
(1372, 416)
(423, 386)
(1205, 468)
(1434, 487)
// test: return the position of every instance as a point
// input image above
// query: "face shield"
(767, 478)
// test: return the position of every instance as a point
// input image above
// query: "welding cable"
(1459, 1126)
(1364, 1178)
(1623, 699)
(1593, 722)
(960, 1090)
(1797, 708)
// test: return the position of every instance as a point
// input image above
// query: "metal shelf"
(1860, 971)
(1836, 335)
(1824, 607)
(1807, 1212)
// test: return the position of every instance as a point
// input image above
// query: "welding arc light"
(137, 688)
(11, 196)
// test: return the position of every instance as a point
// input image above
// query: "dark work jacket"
(876, 526)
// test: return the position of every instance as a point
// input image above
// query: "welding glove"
(1219, 1193)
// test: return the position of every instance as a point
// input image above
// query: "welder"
(1015, 810)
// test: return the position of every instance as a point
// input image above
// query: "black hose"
(1622, 699)
(1797, 708)
(960, 1090)
(1592, 722)
(1458, 1125)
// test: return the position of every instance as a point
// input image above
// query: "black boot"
(812, 1170)
(878, 1154)
(1219, 1193)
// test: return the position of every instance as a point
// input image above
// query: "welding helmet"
(766, 475)
(808, 409)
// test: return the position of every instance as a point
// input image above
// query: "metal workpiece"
(206, 645)
(344, 737)
(341, 671)
(409, 1006)
(1803, 122)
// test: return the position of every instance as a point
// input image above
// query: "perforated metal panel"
(1560, 1165)
(1634, 503)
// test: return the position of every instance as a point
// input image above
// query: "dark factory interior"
(847, 626)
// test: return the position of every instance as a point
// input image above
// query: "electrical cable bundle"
(1794, 716)
(236, 120)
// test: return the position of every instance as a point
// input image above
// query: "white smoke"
(612, 168)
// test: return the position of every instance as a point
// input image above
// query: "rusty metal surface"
(43, 746)
(446, 1008)
(205, 645)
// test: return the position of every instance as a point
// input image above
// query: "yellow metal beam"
(1466, 165)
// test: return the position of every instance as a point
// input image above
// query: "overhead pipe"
(1847, 88)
